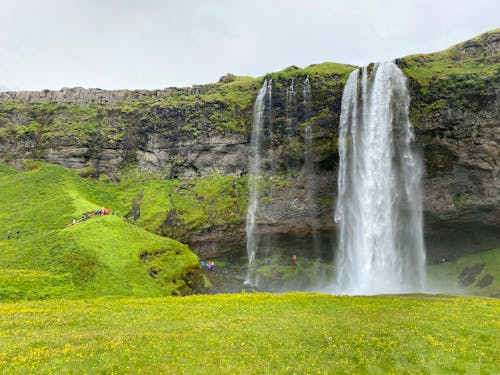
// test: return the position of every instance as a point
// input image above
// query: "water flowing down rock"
(307, 98)
(378, 211)
(255, 172)
(291, 108)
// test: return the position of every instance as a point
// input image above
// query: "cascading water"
(268, 99)
(309, 169)
(378, 211)
(307, 99)
(291, 107)
(255, 174)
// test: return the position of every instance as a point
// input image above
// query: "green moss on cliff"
(464, 76)
(180, 208)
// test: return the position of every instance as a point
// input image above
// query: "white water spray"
(379, 213)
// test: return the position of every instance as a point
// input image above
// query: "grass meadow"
(295, 333)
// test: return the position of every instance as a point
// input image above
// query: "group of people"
(88, 215)
(209, 265)
(10, 235)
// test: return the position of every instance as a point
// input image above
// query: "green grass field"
(252, 334)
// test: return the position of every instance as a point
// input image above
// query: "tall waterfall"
(379, 213)
(255, 174)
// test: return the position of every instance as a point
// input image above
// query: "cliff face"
(456, 113)
(198, 131)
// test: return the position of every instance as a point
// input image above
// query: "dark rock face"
(458, 131)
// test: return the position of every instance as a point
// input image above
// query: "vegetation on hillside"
(252, 334)
(104, 255)
(463, 76)
(179, 208)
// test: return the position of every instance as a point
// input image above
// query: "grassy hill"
(253, 334)
(477, 274)
(104, 255)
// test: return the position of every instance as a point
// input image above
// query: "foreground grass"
(252, 333)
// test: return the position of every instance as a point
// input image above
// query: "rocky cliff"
(456, 113)
(195, 132)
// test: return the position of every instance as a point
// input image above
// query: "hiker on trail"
(9, 234)
(17, 233)
(294, 258)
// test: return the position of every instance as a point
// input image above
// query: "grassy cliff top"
(475, 59)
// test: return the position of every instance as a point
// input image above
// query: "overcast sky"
(150, 44)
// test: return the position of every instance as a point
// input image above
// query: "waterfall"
(307, 99)
(255, 174)
(379, 214)
(311, 190)
(291, 108)
(309, 168)
(268, 99)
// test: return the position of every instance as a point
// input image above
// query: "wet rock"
(469, 274)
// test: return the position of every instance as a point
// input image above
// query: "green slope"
(252, 334)
(477, 274)
(461, 77)
(101, 256)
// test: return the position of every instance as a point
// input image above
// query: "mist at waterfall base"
(378, 245)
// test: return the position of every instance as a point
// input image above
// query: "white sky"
(111, 44)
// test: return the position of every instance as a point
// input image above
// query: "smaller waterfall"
(309, 169)
(255, 174)
(291, 108)
(307, 99)
(268, 99)
(310, 187)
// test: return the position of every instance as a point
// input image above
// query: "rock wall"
(456, 114)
